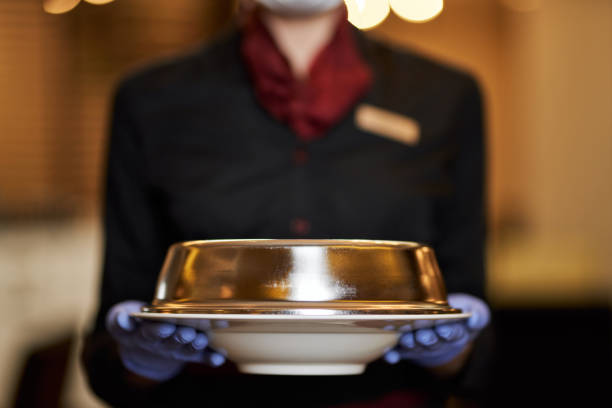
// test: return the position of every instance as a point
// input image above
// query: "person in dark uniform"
(294, 126)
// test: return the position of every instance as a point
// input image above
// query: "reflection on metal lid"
(299, 276)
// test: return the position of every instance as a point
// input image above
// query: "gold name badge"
(387, 124)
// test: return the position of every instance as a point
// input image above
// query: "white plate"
(303, 345)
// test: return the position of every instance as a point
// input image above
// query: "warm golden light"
(59, 6)
(98, 2)
(418, 11)
(365, 14)
(64, 6)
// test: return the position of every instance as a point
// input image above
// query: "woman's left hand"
(443, 343)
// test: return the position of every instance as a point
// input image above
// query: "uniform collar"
(338, 78)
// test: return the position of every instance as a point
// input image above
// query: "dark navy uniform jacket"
(193, 156)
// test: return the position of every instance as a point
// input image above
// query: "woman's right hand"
(155, 350)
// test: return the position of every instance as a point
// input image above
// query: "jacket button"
(300, 226)
(300, 156)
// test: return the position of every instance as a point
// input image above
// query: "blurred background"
(545, 67)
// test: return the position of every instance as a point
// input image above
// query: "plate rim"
(209, 316)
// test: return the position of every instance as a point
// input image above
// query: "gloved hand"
(155, 350)
(442, 343)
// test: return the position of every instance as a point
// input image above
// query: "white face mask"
(300, 7)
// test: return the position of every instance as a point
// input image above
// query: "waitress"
(294, 126)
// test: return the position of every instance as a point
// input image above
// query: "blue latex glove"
(442, 343)
(156, 350)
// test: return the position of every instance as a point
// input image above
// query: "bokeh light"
(98, 2)
(417, 11)
(366, 14)
(59, 6)
(64, 6)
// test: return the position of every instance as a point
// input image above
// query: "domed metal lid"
(300, 277)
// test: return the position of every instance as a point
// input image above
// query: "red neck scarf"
(337, 78)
